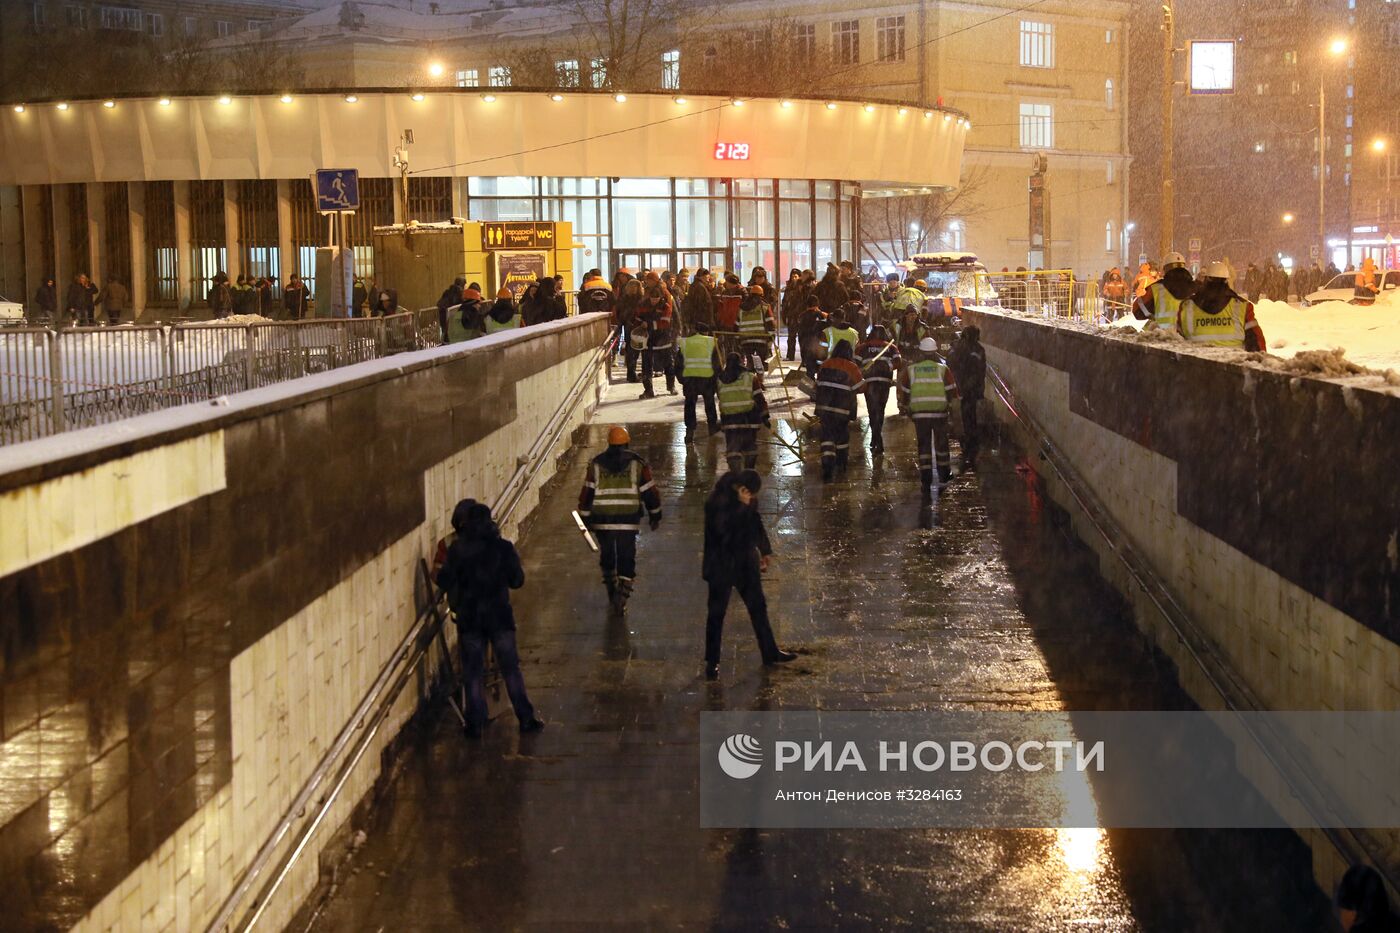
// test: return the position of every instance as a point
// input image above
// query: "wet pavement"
(983, 600)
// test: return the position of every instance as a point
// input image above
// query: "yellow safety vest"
(616, 494)
(736, 398)
(908, 297)
(1225, 328)
(928, 393)
(1165, 306)
(492, 325)
(698, 351)
(834, 335)
(752, 323)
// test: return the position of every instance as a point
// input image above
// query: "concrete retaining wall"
(1267, 504)
(196, 600)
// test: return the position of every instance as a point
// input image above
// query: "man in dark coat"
(737, 552)
(699, 302)
(794, 301)
(451, 297)
(480, 571)
(296, 298)
(968, 361)
(80, 301)
(46, 300)
(831, 291)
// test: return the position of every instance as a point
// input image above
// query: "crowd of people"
(79, 305)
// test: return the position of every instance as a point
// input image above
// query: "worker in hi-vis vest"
(838, 331)
(742, 409)
(697, 358)
(1160, 306)
(927, 385)
(1217, 317)
(617, 492)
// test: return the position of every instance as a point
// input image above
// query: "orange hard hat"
(618, 437)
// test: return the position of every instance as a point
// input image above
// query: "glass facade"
(734, 224)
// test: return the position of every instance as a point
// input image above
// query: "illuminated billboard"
(1212, 67)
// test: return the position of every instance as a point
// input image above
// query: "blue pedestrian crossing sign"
(337, 189)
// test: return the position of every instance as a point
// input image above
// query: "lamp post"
(1336, 48)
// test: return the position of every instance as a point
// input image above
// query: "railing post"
(171, 336)
(247, 357)
(56, 382)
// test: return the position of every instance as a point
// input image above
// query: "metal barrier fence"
(1052, 294)
(55, 381)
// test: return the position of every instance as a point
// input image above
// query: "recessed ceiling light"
(869, 108)
(417, 96)
(285, 98)
(109, 104)
(620, 98)
(736, 102)
(556, 97)
(489, 98)
(19, 108)
(62, 106)
(351, 98)
(786, 103)
(164, 102)
(679, 100)
(225, 100)
(831, 105)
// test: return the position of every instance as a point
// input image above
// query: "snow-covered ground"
(1369, 335)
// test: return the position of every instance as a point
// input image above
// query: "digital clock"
(732, 152)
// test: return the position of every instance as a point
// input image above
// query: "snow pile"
(1370, 336)
(233, 319)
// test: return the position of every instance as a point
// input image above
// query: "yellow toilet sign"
(512, 234)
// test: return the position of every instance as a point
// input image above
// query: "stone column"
(97, 232)
(32, 199)
(184, 246)
(286, 249)
(65, 263)
(136, 212)
(232, 244)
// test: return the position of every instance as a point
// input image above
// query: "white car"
(1343, 288)
(957, 273)
(11, 313)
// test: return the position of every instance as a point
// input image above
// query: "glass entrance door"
(716, 260)
(639, 261)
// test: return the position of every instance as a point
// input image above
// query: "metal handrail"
(377, 702)
(1218, 672)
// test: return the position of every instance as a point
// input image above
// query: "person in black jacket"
(80, 301)
(1362, 904)
(480, 571)
(737, 552)
(45, 301)
(968, 361)
(451, 298)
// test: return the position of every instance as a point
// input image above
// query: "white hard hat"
(928, 345)
(1173, 261)
(1217, 270)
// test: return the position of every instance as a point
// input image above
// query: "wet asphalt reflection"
(983, 599)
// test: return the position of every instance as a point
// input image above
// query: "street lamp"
(1288, 217)
(1337, 48)
(435, 69)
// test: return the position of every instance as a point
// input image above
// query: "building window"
(1259, 146)
(123, 18)
(1108, 37)
(155, 24)
(39, 15)
(223, 28)
(76, 17)
(845, 41)
(889, 38)
(499, 76)
(757, 42)
(468, 77)
(253, 25)
(1037, 44)
(1290, 58)
(1037, 126)
(566, 73)
(191, 26)
(804, 41)
(598, 72)
(671, 69)
(1108, 237)
(1108, 93)
(1108, 172)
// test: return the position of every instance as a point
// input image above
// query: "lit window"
(1259, 146)
(1108, 37)
(845, 41)
(1108, 172)
(889, 38)
(1108, 237)
(804, 41)
(598, 72)
(1290, 58)
(1037, 44)
(1108, 93)
(499, 75)
(1037, 126)
(468, 77)
(671, 69)
(566, 73)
